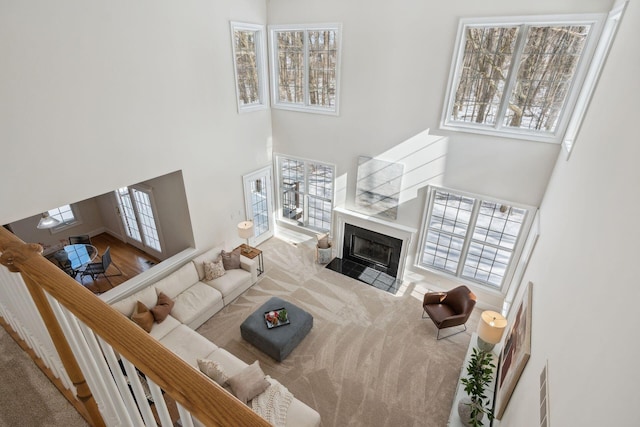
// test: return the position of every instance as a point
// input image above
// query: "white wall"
(585, 292)
(96, 95)
(396, 59)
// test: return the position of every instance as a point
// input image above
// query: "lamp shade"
(491, 327)
(245, 229)
(47, 221)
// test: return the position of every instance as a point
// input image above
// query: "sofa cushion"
(147, 296)
(231, 282)
(178, 281)
(188, 344)
(208, 256)
(162, 308)
(159, 330)
(249, 382)
(193, 301)
(229, 363)
(231, 260)
(142, 316)
(213, 269)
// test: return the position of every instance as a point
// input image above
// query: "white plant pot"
(324, 255)
(464, 411)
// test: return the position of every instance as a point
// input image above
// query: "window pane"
(307, 193)
(498, 224)
(320, 181)
(319, 214)
(487, 57)
(64, 214)
(546, 69)
(442, 251)
(247, 67)
(259, 206)
(451, 213)
(486, 264)
(323, 58)
(290, 66)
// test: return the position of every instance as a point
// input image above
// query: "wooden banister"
(205, 399)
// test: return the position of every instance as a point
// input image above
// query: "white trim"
(266, 172)
(274, 70)
(261, 64)
(401, 232)
(277, 186)
(498, 129)
(515, 253)
(593, 74)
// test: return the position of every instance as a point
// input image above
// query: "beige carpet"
(28, 397)
(370, 360)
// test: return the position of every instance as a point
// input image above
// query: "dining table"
(81, 254)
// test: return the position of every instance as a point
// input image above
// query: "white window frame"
(275, 72)
(261, 64)
(55, 213)
(468, 238)
(498, 129)
(305, 213)
(593, 74)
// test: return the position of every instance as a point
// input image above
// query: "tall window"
(471, 237)
(305, 67)
(519, 77)
(249, 63)
(306, 192)
(138, 215)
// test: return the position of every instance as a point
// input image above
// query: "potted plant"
(479, 375)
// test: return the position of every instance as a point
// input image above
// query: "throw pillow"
(249, 382)
(231, 260)
(213, 370)
(163, 307)
(213, 269)
(142, 316)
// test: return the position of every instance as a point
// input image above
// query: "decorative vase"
(464, 411)
(324, 255)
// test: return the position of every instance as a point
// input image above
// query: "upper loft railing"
(94, 342)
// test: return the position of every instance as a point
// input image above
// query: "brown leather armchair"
(447, 309)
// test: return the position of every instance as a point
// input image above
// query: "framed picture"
(515, 352)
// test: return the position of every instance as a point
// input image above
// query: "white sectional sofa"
(195, 301)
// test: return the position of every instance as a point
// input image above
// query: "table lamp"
(245, 231)
(490, 329)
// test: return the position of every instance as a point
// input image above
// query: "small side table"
(253, 253)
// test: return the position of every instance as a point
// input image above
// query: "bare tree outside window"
(305, 63)
(518, 77)
(247, 67)
(291, 66)
(249, 61)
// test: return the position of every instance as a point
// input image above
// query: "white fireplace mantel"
(402, 232)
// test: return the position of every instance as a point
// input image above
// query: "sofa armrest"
(251, 266)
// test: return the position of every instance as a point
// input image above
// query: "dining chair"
(83, 239)
(97, 268)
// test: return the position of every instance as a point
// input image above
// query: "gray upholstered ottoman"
(280, 341)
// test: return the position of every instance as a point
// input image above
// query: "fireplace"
(375, 250)
(371, 249)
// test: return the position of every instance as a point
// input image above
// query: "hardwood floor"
(127, 262)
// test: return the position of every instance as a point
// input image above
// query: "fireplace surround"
(371, 249)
